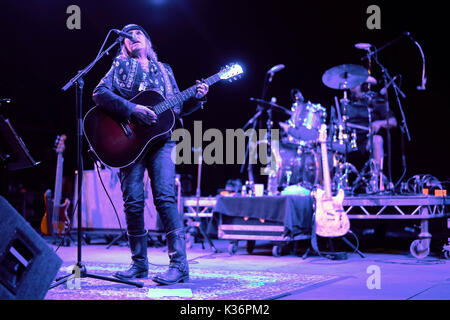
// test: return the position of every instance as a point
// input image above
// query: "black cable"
(357, 241)
(107, 194)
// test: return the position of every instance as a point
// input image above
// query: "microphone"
(363, 46)
(274, 69)
(130, 36)
(422, 87)
(424, 79)
(384, 89)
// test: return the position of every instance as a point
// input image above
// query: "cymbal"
(345, 76)
(268, 104)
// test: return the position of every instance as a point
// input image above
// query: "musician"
(137, 68)
(362, 101)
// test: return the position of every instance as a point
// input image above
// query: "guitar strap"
(167, 82)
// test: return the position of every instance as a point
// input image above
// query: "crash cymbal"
(345, 76)
(268, 104)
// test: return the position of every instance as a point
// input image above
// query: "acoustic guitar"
(119, 143)
(56, 220)
(330, 218)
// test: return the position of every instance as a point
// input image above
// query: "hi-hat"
(268, 104)
(345, 76)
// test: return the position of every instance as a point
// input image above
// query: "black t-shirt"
(357, 111)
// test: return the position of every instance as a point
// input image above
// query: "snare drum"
(306, 120)
(343, 138)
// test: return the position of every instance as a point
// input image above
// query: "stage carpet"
(204, 284)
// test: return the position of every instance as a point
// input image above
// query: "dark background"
(39, 55)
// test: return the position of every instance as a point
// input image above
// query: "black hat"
(132, 26)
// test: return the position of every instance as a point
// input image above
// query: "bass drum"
(295, 165)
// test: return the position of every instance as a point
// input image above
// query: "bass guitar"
(330, 217)
(118, 144)
(56, 220)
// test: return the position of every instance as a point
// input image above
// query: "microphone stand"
(253, 121)
(403, 128)
(80, 268)
(374, 53)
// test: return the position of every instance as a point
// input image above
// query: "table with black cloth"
(294, 212)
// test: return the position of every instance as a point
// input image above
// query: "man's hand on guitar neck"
(144, 115)
(202, 89)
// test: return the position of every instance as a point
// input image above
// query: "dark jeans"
(161, 170)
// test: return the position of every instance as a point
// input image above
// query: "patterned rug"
(204, 284)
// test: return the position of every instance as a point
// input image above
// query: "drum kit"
(295, 161)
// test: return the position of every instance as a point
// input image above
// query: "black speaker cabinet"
(27, 264)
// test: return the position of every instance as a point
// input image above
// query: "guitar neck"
(58, 183)
(183, 96)
(326, 170)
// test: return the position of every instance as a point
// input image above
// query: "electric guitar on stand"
(118, 143)
(56, 220)
(330, 217)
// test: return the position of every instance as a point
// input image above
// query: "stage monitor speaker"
(27, 264)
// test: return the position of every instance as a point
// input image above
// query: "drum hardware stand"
(341, 178)
(198, 224)
(345, 168)
(80, 269)
(370, 167)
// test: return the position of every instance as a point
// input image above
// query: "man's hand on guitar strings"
(202, 89)
(144, 115)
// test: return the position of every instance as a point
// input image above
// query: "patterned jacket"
(127, 78)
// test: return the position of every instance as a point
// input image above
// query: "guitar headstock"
(323, 133)
(59, 143)
(231, 72)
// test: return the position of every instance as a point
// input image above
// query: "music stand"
(14, 155)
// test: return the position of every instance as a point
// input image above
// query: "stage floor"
(401, 276)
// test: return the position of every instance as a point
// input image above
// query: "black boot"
(178, 268)
(139, 266)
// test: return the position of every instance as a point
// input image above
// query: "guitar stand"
(198, 225)
(333, 255)
(351, 245)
